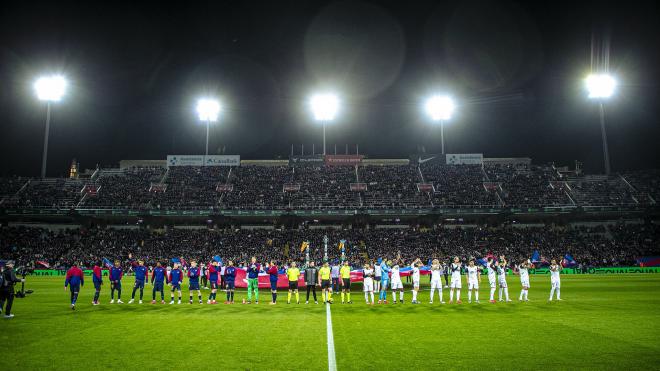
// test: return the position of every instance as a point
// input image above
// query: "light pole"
(440, 108)
(601, 87)
(324, 107)
(208, 111)
(49, 89)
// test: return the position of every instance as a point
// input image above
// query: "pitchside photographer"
(7, 281)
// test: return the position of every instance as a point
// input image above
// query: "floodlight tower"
(208, 111)
(49, 89)
(324, 107)
(440, 108)
(601, 87)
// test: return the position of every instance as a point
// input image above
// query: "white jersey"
(472, 273)
(415, 273)
(377, 270)
(554, 275)
(455, 272)
(436, 273)
(395, 277)
(368, 284)
(501, 274)
(524, 274)
(491, 274)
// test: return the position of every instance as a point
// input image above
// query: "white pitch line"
(332, 362)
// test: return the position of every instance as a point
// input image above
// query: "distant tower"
(73, 170)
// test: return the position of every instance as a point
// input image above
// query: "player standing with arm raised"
(396, 284)
(436, 280)
(523, 269)
(554, 279)
(377, 277)
(273, 275)
(141, 275)
(501, 276)
(193, 281)
(75, 280)
(368, 283)
(474, 276)
(415, 279)
(116, 274)
(491, 269)
(455, 281)
(385, 279)
(253, 280)
(213, 278)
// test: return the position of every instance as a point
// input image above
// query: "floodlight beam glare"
(208, 110)
(324, 106)
(440, 107)
(50, 88)
(600, 86)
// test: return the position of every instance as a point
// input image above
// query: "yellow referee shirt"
(345, 271)
(293, 274)
(324, 272)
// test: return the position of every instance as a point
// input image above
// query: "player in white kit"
(455, 283)
(436, 279)
(554, 279)
(377, 275)
(415, 279)
(501, 277)
(368, 283)
(523, 270)
(397, 285)
(492, 278)
(474, 276)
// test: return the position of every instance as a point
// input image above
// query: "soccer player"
(293, 273)
(345, 282)
(474, 277)
(193, 281)
(501, 276)
(116, 274)
(445, 273)
(396, 283)
(311, 273)
(213, 276)
(385, 276)
(97, 279)
(176, 277)
(230, 280)
(324, 282)
(415, 278)
(523, 269)
(141, 276)
(377, 276)
(436, 280)
(202, 275)
(158, 282)
(253, 280)
(368, 283)
(455, 281)
(74, 279)
(273, 275)
(335, 276)
(554, 279)
(491, 268)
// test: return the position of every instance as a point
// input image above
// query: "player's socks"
(476, 295)
(414, 296)
(458, 295)
(469, 296)
(298, 297)
(552, 293)
(451, 295)
(366, 297)
(393, 296)
(506, 293)
(558, 294)
(342, 297)
(372, 297)
(232, 296)
(432, 293)
(200, 298)
(500, 297)
(401, 295)
(288, 297)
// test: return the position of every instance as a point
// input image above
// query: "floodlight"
(600, 86)
(50, 88)
(324, 106)
(440, 107)
(208, 109)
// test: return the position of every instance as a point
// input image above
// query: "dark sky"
(515, 69)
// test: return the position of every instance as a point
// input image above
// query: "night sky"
(516, 71)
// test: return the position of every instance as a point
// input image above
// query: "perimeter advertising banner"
(309, 160)
(201, 160)
(465, 159)
(345, 160)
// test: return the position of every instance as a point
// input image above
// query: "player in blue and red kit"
(230, 281)
(176, 277)
(194, 274)
(158, 281)
(116, 274)
(74, 279)
(141, 276)
(213, 276)
(97, 279)
(272, 275)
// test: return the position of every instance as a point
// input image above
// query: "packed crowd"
(314, 187)
(613, 245)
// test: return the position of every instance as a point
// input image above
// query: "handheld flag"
(107, 263)
(482, 261)
(341, 244)
(43, 263)
(218, 259)
(304, 245)
(569, 261)
(536, 257)
(176, 260)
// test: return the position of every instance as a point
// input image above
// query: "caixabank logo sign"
(200, 160)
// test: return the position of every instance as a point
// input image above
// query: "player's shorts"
(525, 283)
(176, 286)
(436, 284)
(503, 283)
(97, 285)
(455, 284)
(368, 285)
(377, 278)
(397, 285)
(193, 285)
(492, 282)
(347, 283)
(416, 284)
(293, 285)
(74, 288)
(473, 285)
(273, 285)
(158, 286)
(213, 284)
(555, 284)
(384, 285)
(231, 285)
(325, 284)
(139, 284)
(116, 286)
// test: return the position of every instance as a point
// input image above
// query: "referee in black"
(7, 289)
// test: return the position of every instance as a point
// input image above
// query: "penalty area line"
(332, 362)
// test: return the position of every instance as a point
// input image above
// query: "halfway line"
(332, 362)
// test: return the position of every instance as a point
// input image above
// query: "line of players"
(376, 279)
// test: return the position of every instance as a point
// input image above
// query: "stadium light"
(208, 111)
(601, 87)
(49, 89)
(440, 108)
(324, 107)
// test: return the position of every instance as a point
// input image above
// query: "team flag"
(342, 243)
(43, 263)
(649, 261)
(176, 260)
(304, 245)
(218, 259)
(536, 257)
(107, 263)
(569, 261)
(481, 261)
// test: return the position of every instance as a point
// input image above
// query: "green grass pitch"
(604, 322)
